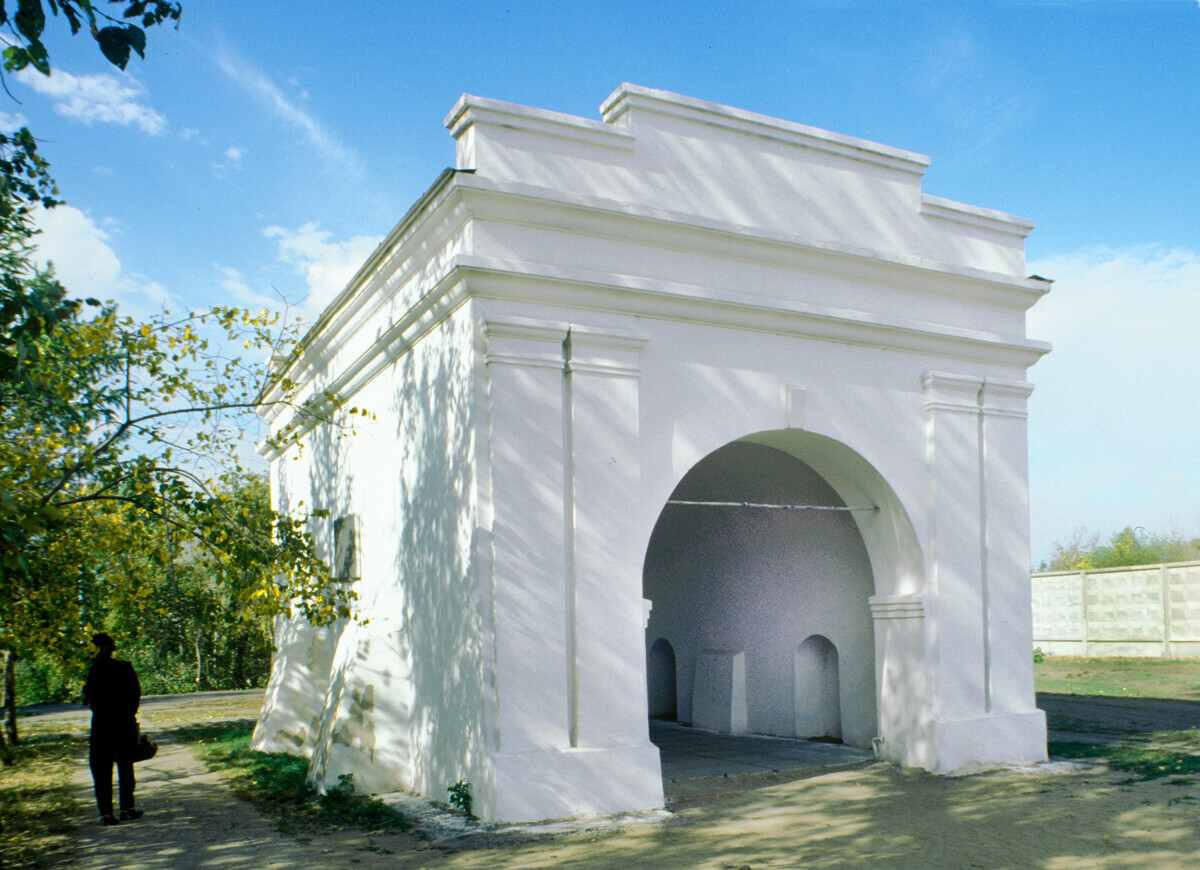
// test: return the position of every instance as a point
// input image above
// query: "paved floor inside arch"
(693, 753)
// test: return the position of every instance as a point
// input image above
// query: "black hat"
(103, 642)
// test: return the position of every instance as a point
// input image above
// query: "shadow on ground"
(1056, 817)
(1104, 719)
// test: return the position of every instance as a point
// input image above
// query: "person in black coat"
(114, 693)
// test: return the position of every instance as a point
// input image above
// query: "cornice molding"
(1005, 398)
(539, 207)
(604, 352)
(685, 303)
(946, 391)
(524, 342)
(629, 97)
(378, 281)
(995, 397)
(434, 308)
(300, 364)
(974, 216)
(471, 110)
(466, 276)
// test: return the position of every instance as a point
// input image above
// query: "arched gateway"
(688, 385)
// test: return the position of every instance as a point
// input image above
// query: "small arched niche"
(818, 691)
(660, 680)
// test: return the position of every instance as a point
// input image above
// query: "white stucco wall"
(554, 338)
(402, 698)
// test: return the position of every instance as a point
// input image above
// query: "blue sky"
(264, 149)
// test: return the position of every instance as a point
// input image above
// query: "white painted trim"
(946, 391)
(374, 286)
(471, 110)
(523, 342)
(897, 606)
(433, 309)
(687, 303)
(604, 352)
(529, 205)
(1005, 398)
(974, 216)
(634, 97)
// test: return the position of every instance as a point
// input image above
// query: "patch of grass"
(1119, 677)
(36, 801)
(1149, 762)
(278, 783)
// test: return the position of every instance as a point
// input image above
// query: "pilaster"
(1006, 537)
(602, 478)
(524, 368)
(957, 562)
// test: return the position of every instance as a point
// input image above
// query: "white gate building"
(687, 412)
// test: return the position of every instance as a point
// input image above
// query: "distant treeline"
(1130, 546)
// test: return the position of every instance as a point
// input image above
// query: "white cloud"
(102, 97)
(189, 134)
(86, 264)
(268, 93)
(232, 160)
(1115, 412)
(234, 283)
(327, 266)
(9, 122)
(959, 76)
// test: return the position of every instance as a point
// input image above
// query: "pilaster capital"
(1004, 398)
(945, 391)
(603, 352)
(520, 341)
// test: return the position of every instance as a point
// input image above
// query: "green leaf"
(40, 59)
(115, 44)
(137, 39)
(15, 58)
(30, 20)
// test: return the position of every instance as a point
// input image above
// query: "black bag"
(144, 749)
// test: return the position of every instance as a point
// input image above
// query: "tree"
(109, 427)
(1125, 548)
(115, 425)
(182, 624)
(117, 38)
(29, 310)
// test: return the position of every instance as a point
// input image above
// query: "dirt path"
(192, 821)
(1056, 817)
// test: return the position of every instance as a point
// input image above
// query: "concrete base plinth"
(555, 784)
(964, 745)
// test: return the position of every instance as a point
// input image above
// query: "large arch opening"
(754, 556)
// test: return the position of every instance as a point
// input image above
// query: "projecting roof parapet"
(708, 162)
(472, 111)
(628, 99)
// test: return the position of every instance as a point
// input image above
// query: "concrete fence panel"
(1148, 610)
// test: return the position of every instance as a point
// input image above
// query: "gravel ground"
(1057, 816)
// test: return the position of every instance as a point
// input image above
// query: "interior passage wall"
(1151, 610)
(761, 582)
